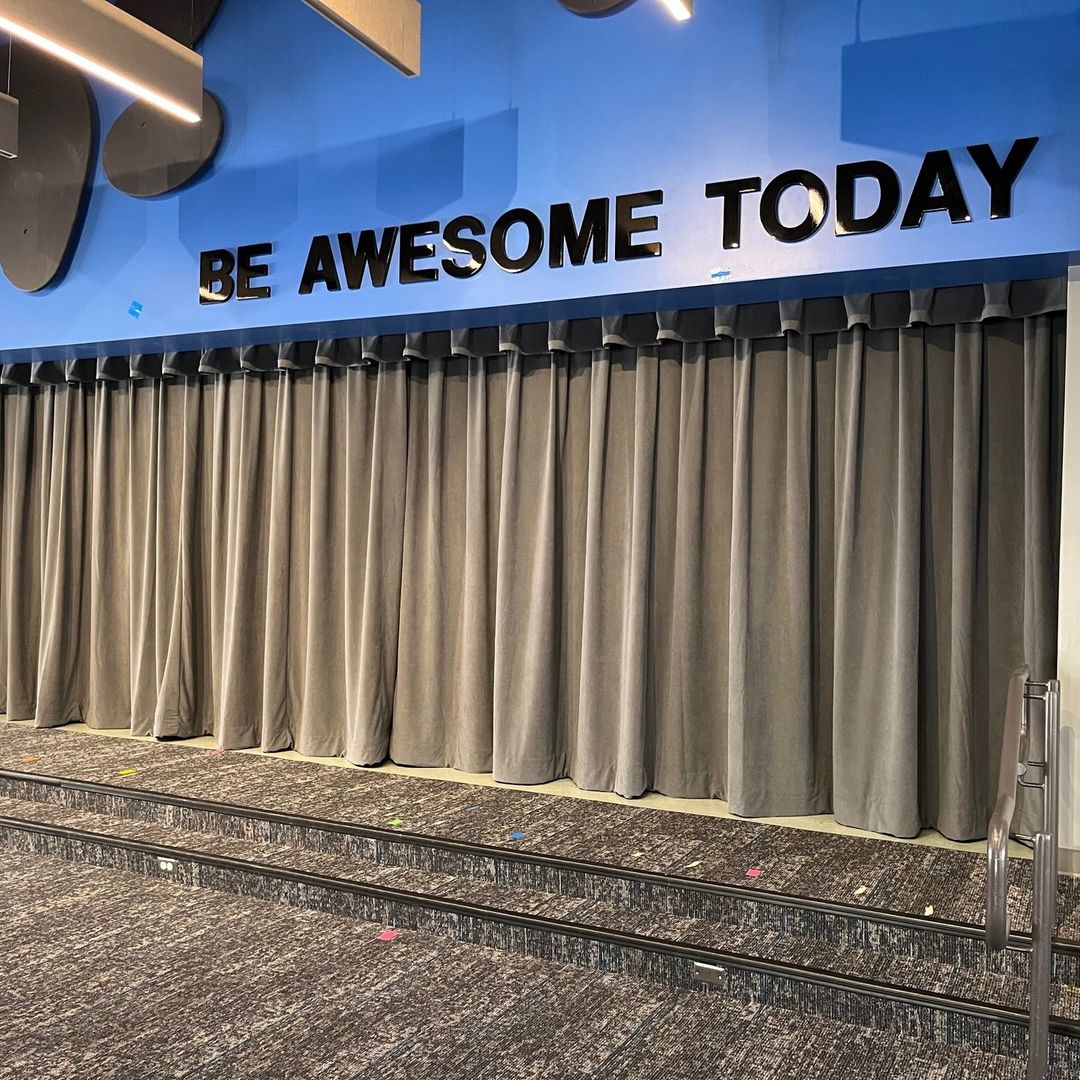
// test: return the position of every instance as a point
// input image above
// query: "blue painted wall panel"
(523, 104)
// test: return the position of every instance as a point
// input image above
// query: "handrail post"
(997, 842)
(1044, 901)
(1016, 761)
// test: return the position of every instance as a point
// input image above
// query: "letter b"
(216, 284)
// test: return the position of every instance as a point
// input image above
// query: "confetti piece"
(395, 821)
(929, 909)
(719, 273)
(136, 309)
(472, 808)
(754, 872)
(388, 935)
(517, 836)
(860, 890)
(637, 854)
(128, 772)
(691, 865)
(29, 759)
(218, 752)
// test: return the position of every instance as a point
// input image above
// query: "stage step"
(265, 990)
(918, 977)
(750, 857)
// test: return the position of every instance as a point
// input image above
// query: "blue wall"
(523, 104)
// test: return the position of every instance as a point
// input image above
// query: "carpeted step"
(963, 1002)
(877, 875)
(854, 923)
(128, 977)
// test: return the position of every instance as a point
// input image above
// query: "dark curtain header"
(826, 315)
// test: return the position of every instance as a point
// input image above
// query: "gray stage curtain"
(784, 554)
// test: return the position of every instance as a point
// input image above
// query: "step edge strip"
(693, 954)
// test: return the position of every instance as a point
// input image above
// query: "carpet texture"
(972, 976)
(876, 874)
(105, 974)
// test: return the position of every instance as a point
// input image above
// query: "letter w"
(366, 252)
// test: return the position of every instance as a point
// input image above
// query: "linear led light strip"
(124, 42)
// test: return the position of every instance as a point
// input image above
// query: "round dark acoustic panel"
(594, 8)
(44, 190)
(149, 153)
(174, 17)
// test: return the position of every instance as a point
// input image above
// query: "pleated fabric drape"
(792, 569)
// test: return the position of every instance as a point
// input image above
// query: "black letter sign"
(732, 191)
(627, 226)
(321, 267)
(364, 253)
(248, 271)
(937, 168)
(567, 237)
(459, 244)
(817, 196)
(533, 249)
(215, 276)
(847, 224)
(1001, 177)
(409, 273)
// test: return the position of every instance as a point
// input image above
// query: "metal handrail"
(997, 837)
(1016, 761)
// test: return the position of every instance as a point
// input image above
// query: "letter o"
(533, 250)
(817, 195)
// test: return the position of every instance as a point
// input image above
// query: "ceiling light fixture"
(594, 9)
(114, 46)
(389, 28)
(680, 9)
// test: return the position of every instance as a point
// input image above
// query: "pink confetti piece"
(754, 872)
(217, 752)
(388, 935)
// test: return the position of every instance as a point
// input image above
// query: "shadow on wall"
(889, 83)
(426, 169)
(407, 176)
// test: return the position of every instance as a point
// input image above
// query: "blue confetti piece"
(136, 309)
(717, 274)
(517, 836)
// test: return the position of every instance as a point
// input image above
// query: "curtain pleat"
(792, 570)
(537, 638)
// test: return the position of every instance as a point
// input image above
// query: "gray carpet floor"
(974, 980)
(106, 974)
(876, 874)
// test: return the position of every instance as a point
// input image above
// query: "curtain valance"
(876, 311)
